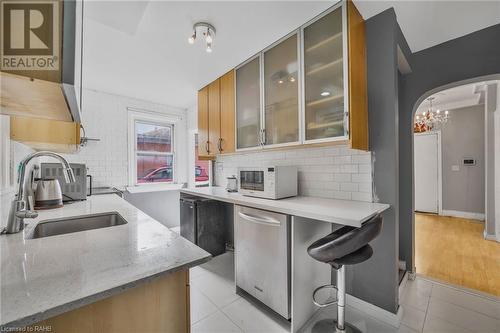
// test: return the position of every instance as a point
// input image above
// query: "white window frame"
(155, 119)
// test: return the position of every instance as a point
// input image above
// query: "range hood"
(54, 94)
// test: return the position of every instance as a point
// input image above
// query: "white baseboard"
(465, 215)
(402, 285)
(393, 319)
(491, 237)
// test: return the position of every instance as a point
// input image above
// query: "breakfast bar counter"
(311, 218)
(343, 212)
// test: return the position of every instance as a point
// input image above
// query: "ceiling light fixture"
(204, 29)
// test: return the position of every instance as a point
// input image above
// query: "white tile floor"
(428, 307)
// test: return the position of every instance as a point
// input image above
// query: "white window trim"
(152, 117)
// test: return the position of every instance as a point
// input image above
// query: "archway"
(420, 100)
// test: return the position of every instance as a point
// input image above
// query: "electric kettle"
(48, 194)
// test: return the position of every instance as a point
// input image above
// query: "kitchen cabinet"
(216, 117)
(50, 92)
(227, 113)
(161, 305)
(203, 149)
(248, 104)
(324, 113)
(281, 93)
(45, 134)
(213, 117)
(309, 88)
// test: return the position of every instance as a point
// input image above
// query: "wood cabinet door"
(227, 112)
(213, 117)
(358, 95)
(203, 144)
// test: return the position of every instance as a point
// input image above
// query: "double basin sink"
(75, 224)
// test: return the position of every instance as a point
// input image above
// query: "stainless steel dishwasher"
(262, 256)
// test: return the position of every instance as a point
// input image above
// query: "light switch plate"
(455, 168)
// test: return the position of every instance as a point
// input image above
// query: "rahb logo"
(30, 33)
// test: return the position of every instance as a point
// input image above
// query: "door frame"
(439, 166)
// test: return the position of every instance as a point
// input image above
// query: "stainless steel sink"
(78, 223)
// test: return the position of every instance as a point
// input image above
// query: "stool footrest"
(323, 305)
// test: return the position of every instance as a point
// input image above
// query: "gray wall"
(468, 57)
(463, 136)
(376, 280)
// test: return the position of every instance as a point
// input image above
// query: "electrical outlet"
(455, 168)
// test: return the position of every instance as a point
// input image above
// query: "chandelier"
(431, 119)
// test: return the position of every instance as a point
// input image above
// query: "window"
(153, 152)
(201, 167)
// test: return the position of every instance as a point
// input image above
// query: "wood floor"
(454, 250)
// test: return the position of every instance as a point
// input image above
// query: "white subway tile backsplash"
(365, 168)
(349, 187)
(349, 168)
(362, 178)
(365, 187)
(360, 196)
(329, 172)
(362, 159)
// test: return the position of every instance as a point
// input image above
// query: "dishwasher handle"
(269, 221)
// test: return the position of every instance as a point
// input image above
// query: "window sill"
(154, 188)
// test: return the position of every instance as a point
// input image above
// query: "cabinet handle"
(207, 147)
(220, 144)
(263, 137)
(260, 220)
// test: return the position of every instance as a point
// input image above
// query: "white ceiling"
(455, 98)
(139, 48)
(428, 23)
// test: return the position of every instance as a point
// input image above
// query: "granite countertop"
(44, 277)
(344, 212)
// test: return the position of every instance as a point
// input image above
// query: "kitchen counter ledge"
(344, 212)
(41, 278)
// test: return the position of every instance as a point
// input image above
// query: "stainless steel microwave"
(271, 182)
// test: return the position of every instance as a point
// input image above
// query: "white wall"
(105, 117)
(329, 172)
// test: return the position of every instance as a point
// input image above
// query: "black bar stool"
(345, 246)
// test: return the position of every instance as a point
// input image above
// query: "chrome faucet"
(18, 211)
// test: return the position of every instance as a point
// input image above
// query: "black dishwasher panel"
(204, 223)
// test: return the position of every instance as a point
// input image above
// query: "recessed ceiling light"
(280, 81)
(292, 79)
(325, 93)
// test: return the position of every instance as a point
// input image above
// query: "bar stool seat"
(345, 246)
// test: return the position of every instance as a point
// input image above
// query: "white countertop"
(345, 212)
(44, 277)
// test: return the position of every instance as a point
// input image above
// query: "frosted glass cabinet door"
(248, 104)
(323, 77)
(281, 92)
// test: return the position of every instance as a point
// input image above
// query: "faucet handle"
(26, 214)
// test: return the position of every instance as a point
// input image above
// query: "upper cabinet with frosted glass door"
(307, 88)
(334, 66)
(248, 105)
(281, 92)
